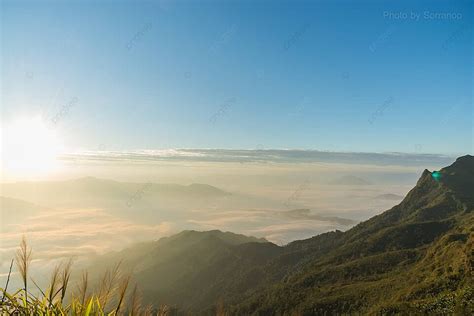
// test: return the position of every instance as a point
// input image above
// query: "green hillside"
(414, 258)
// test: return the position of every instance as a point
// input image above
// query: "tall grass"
(23, 260)
(110, 297)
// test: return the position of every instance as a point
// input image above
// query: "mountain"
(305, 214)
(350, 180)
(94, 191)
(173, 268)
(14, 211)
(389, 196)
(417, 257)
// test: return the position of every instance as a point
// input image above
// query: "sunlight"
(29, 146)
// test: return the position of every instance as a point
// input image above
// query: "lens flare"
(436, 175)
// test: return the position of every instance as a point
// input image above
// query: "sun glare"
(29, 146)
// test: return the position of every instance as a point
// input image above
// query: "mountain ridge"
(432, 216)
(416, 257)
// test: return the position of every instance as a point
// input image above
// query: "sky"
(217, 93)
(364, 76)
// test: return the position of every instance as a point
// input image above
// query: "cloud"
(275, 225)
(81, 232)
(268, 155)
(282, 233)
(293, 226)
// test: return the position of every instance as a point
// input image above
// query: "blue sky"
(340, 76)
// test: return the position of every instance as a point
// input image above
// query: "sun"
(29, 147)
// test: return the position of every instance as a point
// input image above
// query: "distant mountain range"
(350, 180)
(14, 211)
(417, 257)
(87, 189)
(389, 196)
